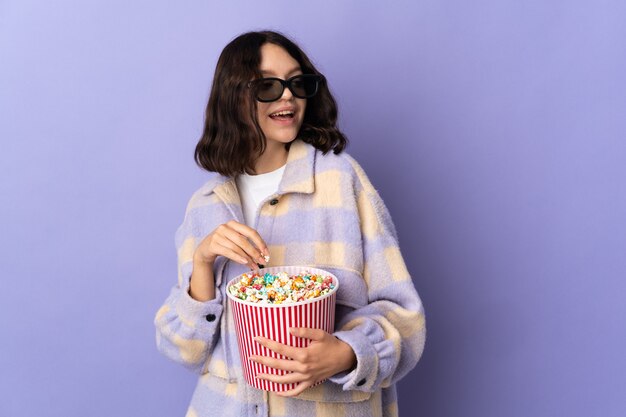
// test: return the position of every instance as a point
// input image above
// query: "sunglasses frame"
(287, 84)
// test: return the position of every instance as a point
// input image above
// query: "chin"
(284, 139)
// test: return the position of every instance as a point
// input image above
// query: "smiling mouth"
(283, 115)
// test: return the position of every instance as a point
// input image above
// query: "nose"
(287, 94)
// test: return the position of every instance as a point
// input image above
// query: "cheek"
(302, 105)
(261, 110)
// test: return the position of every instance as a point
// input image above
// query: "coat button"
(360, 383)
(274, 202)
(210, 317)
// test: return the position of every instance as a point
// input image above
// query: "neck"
(274, 157)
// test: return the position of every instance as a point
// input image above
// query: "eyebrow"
(269, 72)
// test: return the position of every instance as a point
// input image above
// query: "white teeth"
(283, 113)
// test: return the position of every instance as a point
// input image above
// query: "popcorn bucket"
(273, 321)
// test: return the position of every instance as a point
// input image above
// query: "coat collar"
(297, 178)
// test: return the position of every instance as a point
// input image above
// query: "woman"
(278, 196)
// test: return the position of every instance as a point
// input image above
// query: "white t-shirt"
(253, 189)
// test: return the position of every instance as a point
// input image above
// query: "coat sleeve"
(388, 334)
(187, 329)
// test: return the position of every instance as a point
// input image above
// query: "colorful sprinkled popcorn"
(280, 288)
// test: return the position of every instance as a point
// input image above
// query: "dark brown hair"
(232, 138)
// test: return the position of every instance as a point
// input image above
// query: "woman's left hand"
(324, 357)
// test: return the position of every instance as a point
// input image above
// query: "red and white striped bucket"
(273, 321)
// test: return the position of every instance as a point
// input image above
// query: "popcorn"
(280, 288)
(269, 301)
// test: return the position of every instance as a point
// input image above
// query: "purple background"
(494, 130)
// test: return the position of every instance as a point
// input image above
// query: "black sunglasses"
(271, 89)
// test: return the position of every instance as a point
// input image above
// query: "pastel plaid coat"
(325, 214)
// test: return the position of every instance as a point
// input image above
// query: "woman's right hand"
(232, 240)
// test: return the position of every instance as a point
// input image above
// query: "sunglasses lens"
(268, 90)
(304, 86)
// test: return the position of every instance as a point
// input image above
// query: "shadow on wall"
(425, 205)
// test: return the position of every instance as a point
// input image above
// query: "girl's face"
(280, 128)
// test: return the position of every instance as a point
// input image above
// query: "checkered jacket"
(325, 214)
